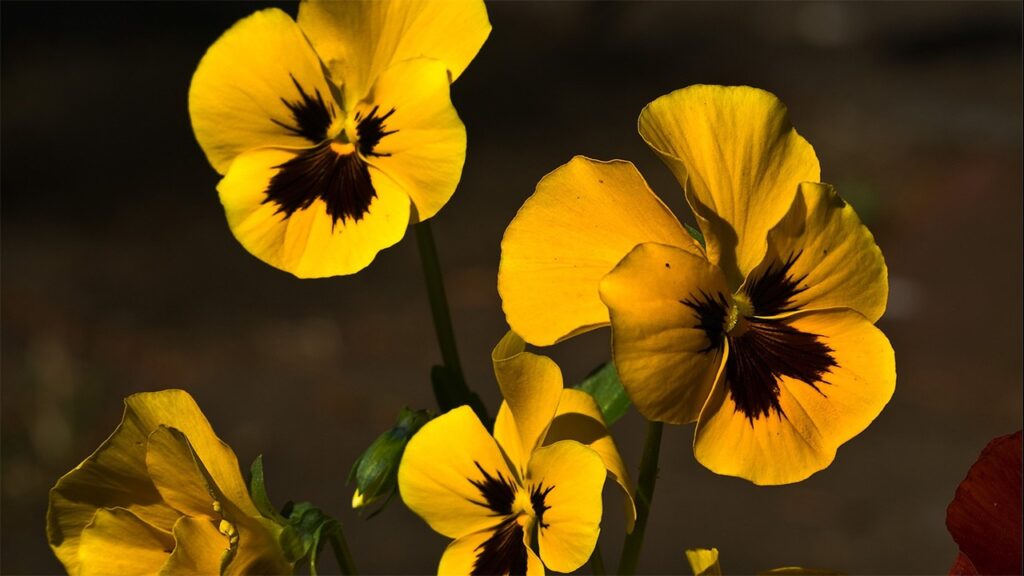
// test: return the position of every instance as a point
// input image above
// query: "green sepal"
(308, 528)
(258, 491)
(697, 235)
(375, 472)
(606, 388)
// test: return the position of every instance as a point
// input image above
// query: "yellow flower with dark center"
(538, 479)
(766, 337)
(162, 495)
(335, 132)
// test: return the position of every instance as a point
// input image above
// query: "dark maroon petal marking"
(772, 292)
(504, 553)
(371, 130)
(711, 313)
(537, 496)
(310, 114)
(499, 493)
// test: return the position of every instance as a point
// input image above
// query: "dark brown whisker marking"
(504, 553)
(499, 493)
(772, 292)
(711, 313)
(371, 130)
(537, 496)
(312, 115)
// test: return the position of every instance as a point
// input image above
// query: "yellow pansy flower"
(766, 337)
(537, 479)
(161, 494)
(334, 132)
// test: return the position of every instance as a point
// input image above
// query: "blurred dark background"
(120, 274)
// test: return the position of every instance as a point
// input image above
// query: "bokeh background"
(120, 275)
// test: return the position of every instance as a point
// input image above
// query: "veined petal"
(814, 413)
(735, 148)
(346, 214)
(503, 550)
(668, 310)
(259, 549)
(359, 40)
(579, 418)
(260, 84)
(198, 549)
(454, 476)
(424, 146)
(820, 256)
(565, 481)
(119, 542)
(532, 387)
(582, 219)
(175, 472)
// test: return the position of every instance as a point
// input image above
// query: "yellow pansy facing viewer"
(334, 132)
(766, 337)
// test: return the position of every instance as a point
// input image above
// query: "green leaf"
(697, 235)
(604, 385)
(308, 526)
(258, 491)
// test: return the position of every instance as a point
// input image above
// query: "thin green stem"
(450, 388)
(597, 562)
(341, 552)
(644, 495)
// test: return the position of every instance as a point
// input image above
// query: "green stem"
(597, 562)
(341, 552)
(644, 495)
(450, 388)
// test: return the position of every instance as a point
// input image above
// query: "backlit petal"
(440, 464)
(176, 474)
(776, 448)
(425, 154)
(570, 476)
(735, 148)
(665, 357)
(119, 542)
(309, 243)
(821, 256)
(359, 40)
(582, 219)
(579, 418)
(199, 548)
(242, 91)
(704, 561)
(462, 556)
(258, 551)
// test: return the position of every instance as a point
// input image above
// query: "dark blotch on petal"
(342, 181)
(767, 351)
(504, 552)
(371, 130)
(772, 292)
(711, 314)
(537, 497)
(310, 114)
(499, 493)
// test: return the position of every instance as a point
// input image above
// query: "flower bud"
(375, 472)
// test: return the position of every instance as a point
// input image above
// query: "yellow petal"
(176, 474)
(242, 91)
(425, 154)
(704, 561)
(119, 542)
(532, 386)
(568, 477)
(829, 258)
(309, 243)
(438, 470)
(788, 447)
(579, 418)
(259, 550)
(582, 219)
(664, 357)
(198, 548)
(735, 148)
(463, 555)
(359, 40)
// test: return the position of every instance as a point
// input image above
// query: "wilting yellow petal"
(735, 148)
(198, 549)
(569, 477)
(663, 355)
(359, 40)
(463, 554)
(119, 542)
(780, 449)
(309, 243)
(532, 386)
(241, 90)
(438, 469)
(704, 561)
(582, 219)
(830, 257)
(425, 154)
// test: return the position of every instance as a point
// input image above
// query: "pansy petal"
(260, 84)
(359, 40)
(476, 553)
(424, 146)
(531, 385)
(198, 549)
(820, 256)
(175, 472)
(565, 481)
(259, 550)
(310, 243)
(704, 561)
(663, 300)
(735, 148)
(454, 476)
(579, 418)
(119, 542)
(813, 418)
(582, 219)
